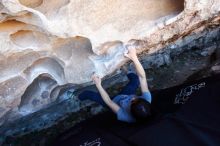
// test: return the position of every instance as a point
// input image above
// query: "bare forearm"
(141, 75)
(107, 99)
(103, 94)
(139, 68)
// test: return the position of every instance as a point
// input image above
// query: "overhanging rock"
(71, 39)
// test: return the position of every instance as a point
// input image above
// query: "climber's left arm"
(112, 105)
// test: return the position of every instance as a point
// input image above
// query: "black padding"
(88, 135)
(190, 115)
(197, 122)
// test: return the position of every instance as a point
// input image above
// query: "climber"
(127, 106)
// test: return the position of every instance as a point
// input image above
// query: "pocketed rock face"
(71, 39)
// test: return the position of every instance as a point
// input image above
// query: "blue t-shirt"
(124, 101)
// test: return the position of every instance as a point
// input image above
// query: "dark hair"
(140, 109)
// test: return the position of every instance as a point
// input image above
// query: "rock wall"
(69, 40)
(165, 68)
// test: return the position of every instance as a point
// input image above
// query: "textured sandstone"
(71, 39)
